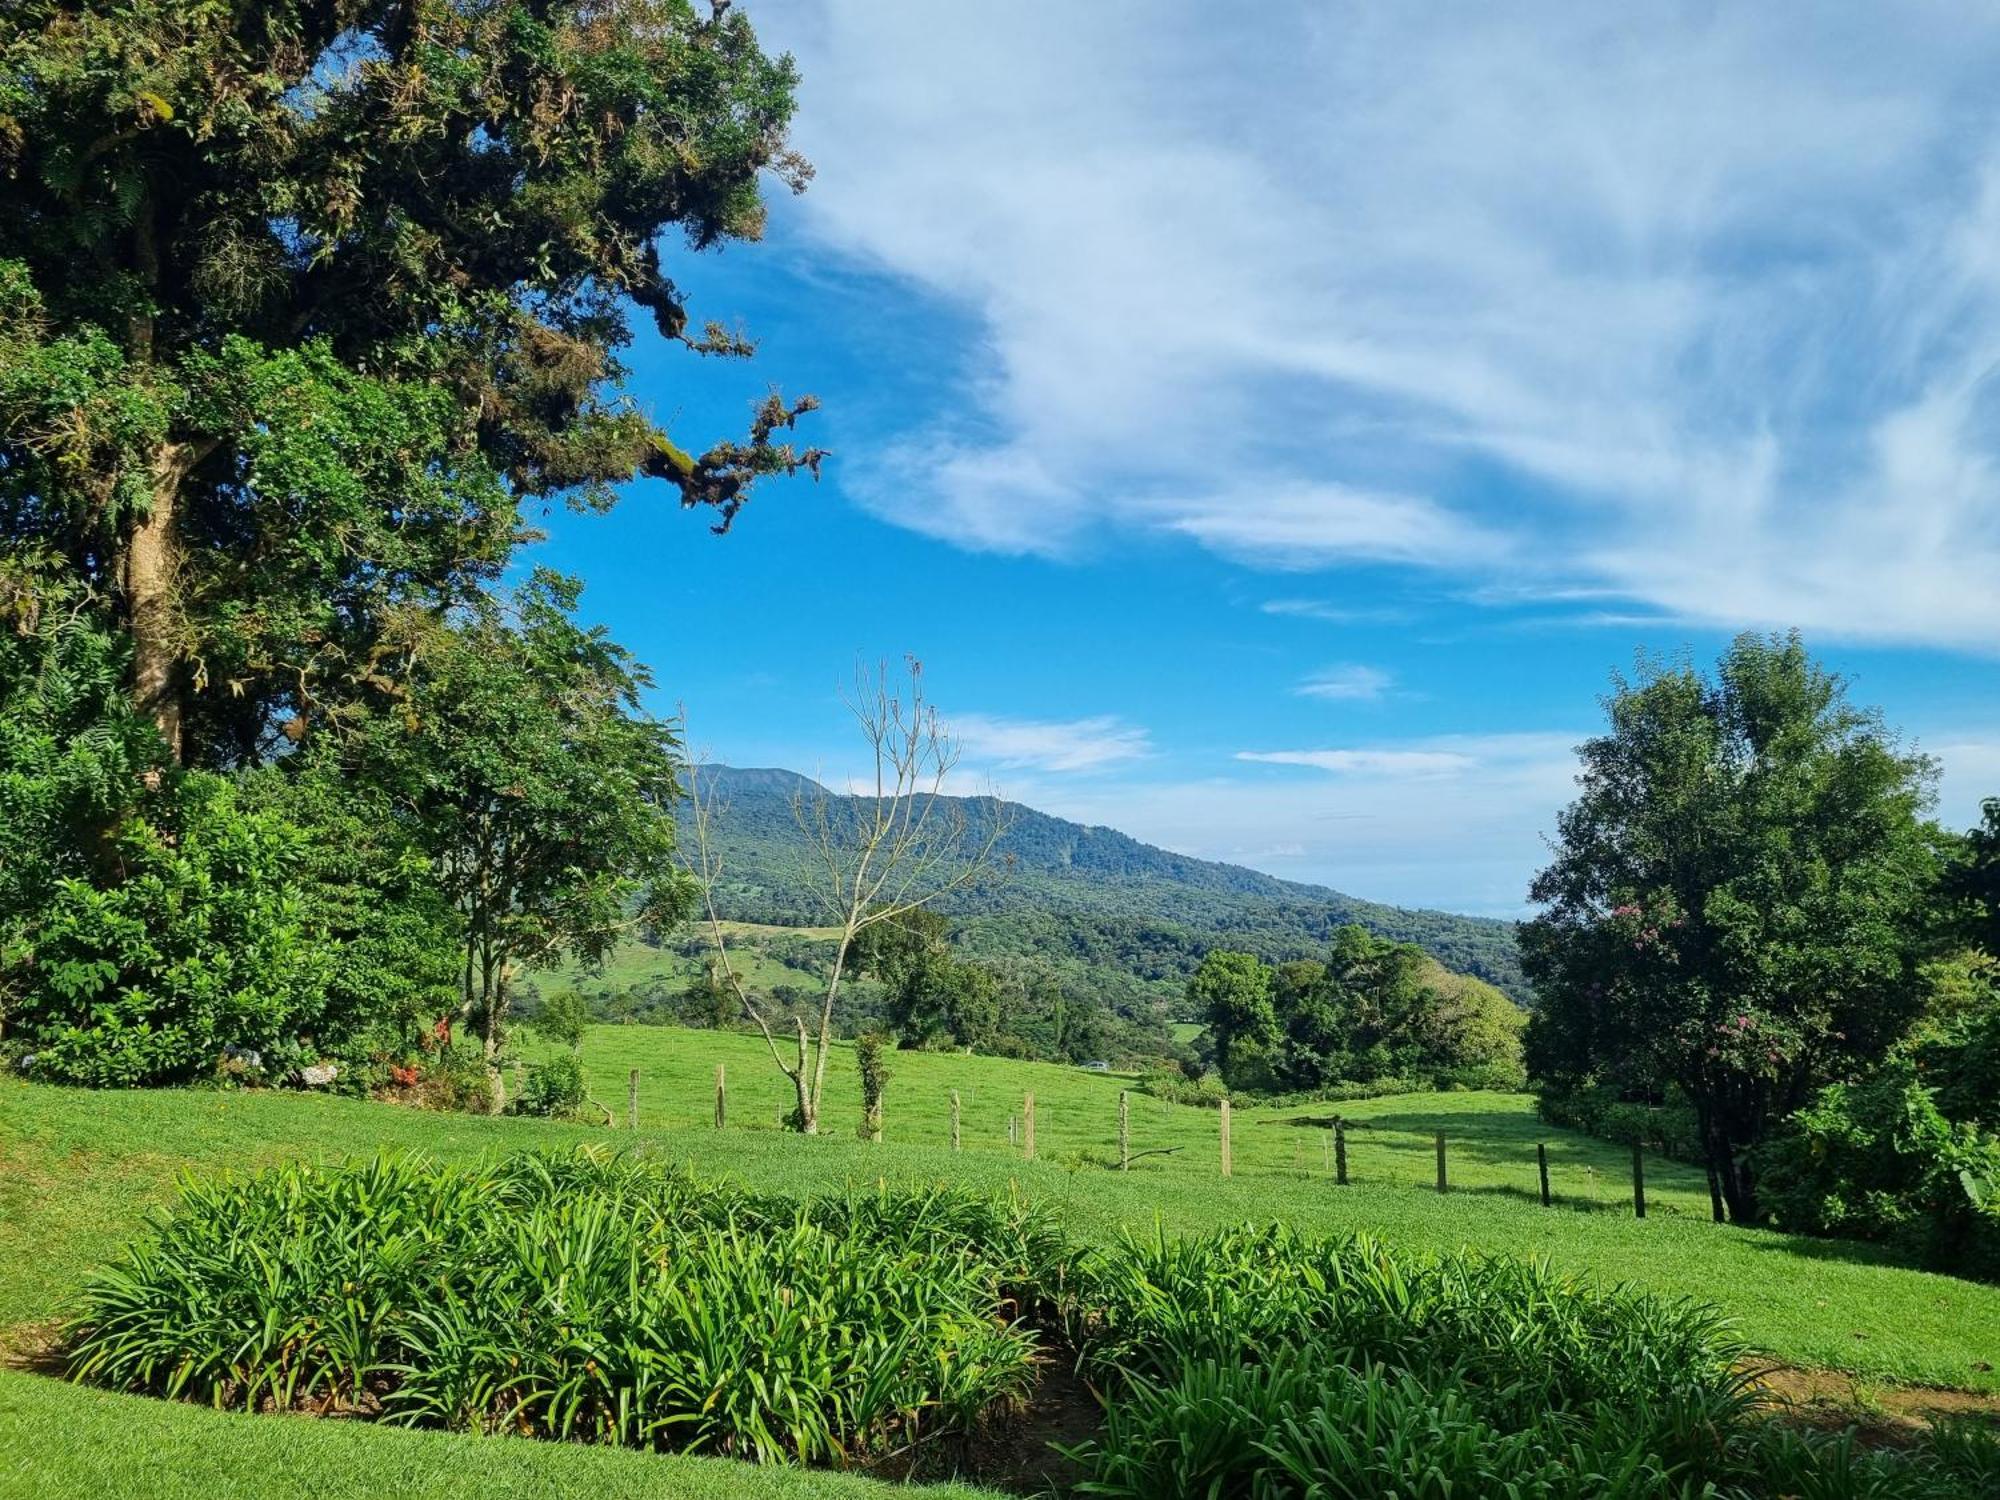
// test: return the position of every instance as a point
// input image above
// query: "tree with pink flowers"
(1740, 898)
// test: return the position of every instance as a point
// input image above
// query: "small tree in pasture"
(874, 856)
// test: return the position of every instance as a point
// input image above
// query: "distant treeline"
(1063, 890)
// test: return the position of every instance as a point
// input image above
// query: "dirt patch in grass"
(1830, 1400)
(1017, 1450)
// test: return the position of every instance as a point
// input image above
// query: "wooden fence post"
(1542, 1163)
(1340, 1152)
(1124, 1131)
(721, 1098)
(1225, 1138)
(1028, 1126)
(954, 1119)
(1444, 1186)
(1638, 1180)
(632, 1102)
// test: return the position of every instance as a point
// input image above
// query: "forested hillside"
(1094, 895)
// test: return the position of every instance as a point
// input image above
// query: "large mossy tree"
(306, 308)
(1741, 898)
(301, 301)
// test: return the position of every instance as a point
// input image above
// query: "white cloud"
(1969, 763)
(1691, 307)
(1451, 821)
(1331, 614)
(1072, 745)
(1349, 683)
(1397, 763)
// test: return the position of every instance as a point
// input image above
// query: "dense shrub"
(1879, 1160)
(1269, 1365)
(1668, 1128)
(199, 944)
(555, 1089)
(609, 1298)
(581, 1297)
(155, 923)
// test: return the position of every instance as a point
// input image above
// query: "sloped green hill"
(1095, 895)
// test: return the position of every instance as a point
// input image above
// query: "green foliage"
(370, 903)
(545, 795)
(1879, 1160)
(1375, 1009)
(555, 1089)
(1739, 903)
(1267, 1364)
(564, 1018)
(152, 918)
(305, 300)
(201, 944)
(1974, 881)
(580, 1298)
(1232, 993)
(871, 1062)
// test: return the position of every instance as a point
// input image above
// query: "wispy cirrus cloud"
(1349, 683)
(1331, 614)
(1400, 763)
(1693, 308)
(1088, 744)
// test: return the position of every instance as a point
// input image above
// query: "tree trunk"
(805, 1114)
(150, 558)
(1728, 1173)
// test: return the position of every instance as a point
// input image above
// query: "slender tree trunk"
(826, 1022)
(149, 568)
(807, 1111)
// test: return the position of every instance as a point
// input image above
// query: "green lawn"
(78, 1170)
(58, 1440)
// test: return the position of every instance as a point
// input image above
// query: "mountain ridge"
(1112, 890)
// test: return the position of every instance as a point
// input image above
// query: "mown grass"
(1490, 1138)
(63, 1440)
(79, 1169)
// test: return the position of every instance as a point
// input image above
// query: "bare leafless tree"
(895, 843)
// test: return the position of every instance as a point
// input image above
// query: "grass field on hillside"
(1490, 1138)
(637, 965)
(78, 1170)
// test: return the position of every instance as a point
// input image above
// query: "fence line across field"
(1022, 1129)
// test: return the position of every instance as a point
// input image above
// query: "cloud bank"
(1685, 308)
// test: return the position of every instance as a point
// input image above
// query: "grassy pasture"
(78, 1170)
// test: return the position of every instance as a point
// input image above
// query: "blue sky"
(1271, 428)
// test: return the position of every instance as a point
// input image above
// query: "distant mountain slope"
(1096, 894)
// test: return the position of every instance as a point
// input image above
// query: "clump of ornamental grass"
(605, 1297)
(587, 1297)
(1272, 1365)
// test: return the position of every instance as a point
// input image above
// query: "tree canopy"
(1738, 902)
(307, 309)
(1374, 1009)
(302, 300)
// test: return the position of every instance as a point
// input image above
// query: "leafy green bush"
(198, 945)
(555, 1089)
(1270, 1365)
(578, 1298)
(1670, 1128)
(1879, 1160)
